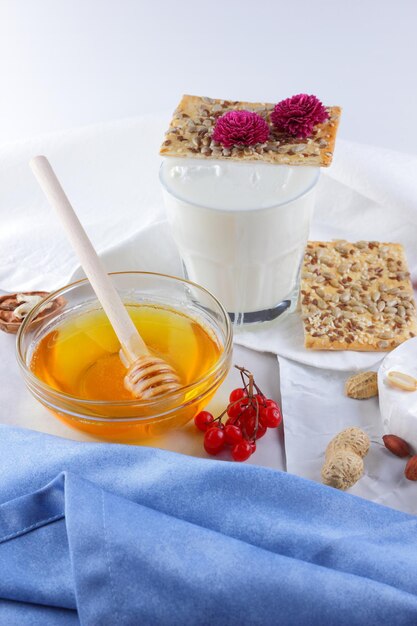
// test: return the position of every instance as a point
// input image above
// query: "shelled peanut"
(396, 445)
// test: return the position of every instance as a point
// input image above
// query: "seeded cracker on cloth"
(356, 296)
(190, 134)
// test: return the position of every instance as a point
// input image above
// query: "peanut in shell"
(362, 386)
(342, 469)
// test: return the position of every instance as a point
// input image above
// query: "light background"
(67, 63)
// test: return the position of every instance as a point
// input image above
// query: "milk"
(241, 228)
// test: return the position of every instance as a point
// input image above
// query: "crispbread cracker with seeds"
(356, 296)
(190, 130)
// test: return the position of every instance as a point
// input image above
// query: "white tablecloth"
(110, 172)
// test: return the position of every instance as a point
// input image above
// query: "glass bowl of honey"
(70, 358)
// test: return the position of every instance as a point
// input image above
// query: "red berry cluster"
(249, 414)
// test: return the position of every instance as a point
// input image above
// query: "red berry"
(232, 434)
(233, 410)
(242, 450)
(203, 419)
(272, 403)
(234, 421)
(272, 417)
(250, 427)
(214, 440)
(260, 399)
(237, 394)
(262, 412)
(247, 409)
(253, 446)
(261, 430)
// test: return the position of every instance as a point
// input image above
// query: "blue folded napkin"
(113, 535)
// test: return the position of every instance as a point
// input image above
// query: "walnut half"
(14, 308)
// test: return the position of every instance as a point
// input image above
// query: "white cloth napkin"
(315, 409)
(399, 407)
(110, 173)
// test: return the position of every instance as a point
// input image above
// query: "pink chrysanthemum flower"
(298, 115)
(240, 128)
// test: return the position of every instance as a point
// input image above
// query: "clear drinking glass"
(241, 230)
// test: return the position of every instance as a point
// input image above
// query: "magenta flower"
(298, 115)
(240, 128)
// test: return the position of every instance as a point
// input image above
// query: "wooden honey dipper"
(148, 376)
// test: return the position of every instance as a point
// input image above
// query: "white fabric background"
(74, 63)
(110, 172)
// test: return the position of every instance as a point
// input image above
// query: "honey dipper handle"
(132, 343)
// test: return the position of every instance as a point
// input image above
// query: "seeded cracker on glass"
(237, 199)
(191, 129)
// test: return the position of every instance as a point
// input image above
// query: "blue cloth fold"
(101, 534)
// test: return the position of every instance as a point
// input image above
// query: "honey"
(80, 358)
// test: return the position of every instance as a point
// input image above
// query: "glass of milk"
(241, 230)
